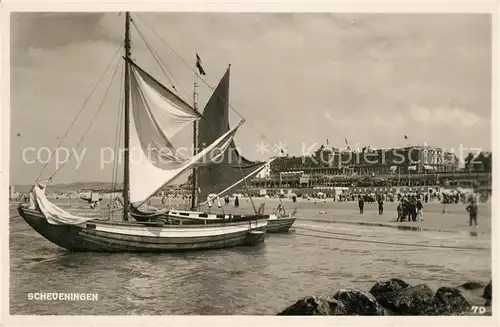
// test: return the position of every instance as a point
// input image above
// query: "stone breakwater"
(396, 297)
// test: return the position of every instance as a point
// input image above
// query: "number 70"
(478, 309)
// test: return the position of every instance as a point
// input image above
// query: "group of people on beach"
(410, 208)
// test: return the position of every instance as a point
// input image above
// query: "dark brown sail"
(216, 177)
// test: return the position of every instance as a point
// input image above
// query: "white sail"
(146, 178)
(170, 112)
(51, 212)
(154, 161)
(158, 114)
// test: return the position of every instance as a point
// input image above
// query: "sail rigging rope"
(160, 62)
(91, 122)
(248, 191)
(81, 110)
(114, 176)
(261, 134)
(119, 124)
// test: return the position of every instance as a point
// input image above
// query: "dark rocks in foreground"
(487, 294)
(413, 300)
(386, 290)
(359, 303)
(451, 300)
(315, 306)
(390, 297)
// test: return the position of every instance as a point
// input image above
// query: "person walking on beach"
(380, 206)
(472, 209)
(400, 210)
(236, 202)
(412, 212)
(420, 213)
(361, 204)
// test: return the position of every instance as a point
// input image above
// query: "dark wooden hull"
(105, 236)
(280, 225)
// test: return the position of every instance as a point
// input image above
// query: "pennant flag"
(406, 137)
(346, 143)
(199, 66)
(326, 142)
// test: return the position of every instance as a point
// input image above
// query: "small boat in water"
(157, 114)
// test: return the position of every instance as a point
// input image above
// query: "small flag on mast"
(199, 66)
(346, 143)
(406, 137)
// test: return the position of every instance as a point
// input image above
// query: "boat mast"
(194, 193)
(126, 181)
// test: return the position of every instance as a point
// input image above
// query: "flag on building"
(199, 66)
(406, 137)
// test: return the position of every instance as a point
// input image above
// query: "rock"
(416, 300)
(315, 306)
(487, 292)
(471, 285)
(384, 291)
(450, 300)
(359, 303)
(389, 285)
(337, 308)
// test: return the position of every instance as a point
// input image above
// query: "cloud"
(444, 115)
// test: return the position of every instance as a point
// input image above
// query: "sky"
(297, 79)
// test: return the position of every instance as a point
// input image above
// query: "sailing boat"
(157, 115)
(220, 177)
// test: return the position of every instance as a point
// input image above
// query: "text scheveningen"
(52, 296)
